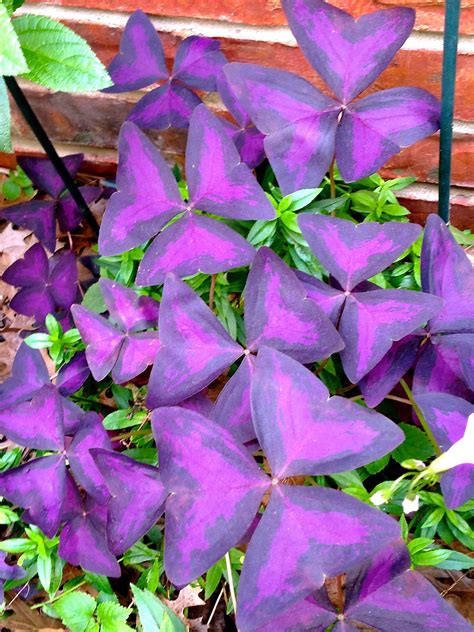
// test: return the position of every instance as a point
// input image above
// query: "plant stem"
(395, 398)
(213, 611)
(212, 290)
(230, 580)
(332, 183)
(421, 417)
(56, 597)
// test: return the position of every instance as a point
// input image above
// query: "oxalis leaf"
(12, 60)
(57, 57)
(5, 140)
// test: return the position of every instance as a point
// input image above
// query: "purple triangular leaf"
(137, 352)
(131, 216)
(71, 376)
(170, 105)
(68, 212)
(33, 301)
(439, 368)
(212, 500)
(299, 122)
(232, 407)
(37, 423)
(306, 533)
(329, 299)
(43, 174)
(128, 310)
(39, 487)
(447, 272)
(389, 371)
(137, 498)
(63, 278)
(198, 62)
(83, 541)
(355, 252)
(349, 54)
(308, 615)
(376, 128)
(72, 416)
(303, 431)
(141, 60)
(102, 339)
(9, 571)
(231, 102)
(91, 434)
(29, 374)
(193, 244)
(195, 348)
(371, 321)
(32, 270)
(279, 314)
(38, 216)
(413, 603)
(224, 185)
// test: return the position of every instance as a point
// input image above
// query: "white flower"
(460, 453)
(411, 504)
(380, 497)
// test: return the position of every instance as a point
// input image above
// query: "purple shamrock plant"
(305, 129)
(47, 285)
(221, 185)
(40, 216)
(141, 62)
(195, 348)
(125, 346)
(368, 318)
(306, 532)
(442, 351)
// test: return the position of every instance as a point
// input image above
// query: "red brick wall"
(255, 31)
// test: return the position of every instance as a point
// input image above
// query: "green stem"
(421, 417)
(332, 182)
(56, 597)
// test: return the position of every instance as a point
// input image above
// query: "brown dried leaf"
(25, 619)
(188, 597)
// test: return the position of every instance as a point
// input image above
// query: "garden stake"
(450, 47)
(43, 138)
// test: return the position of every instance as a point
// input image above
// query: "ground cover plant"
(256, 409)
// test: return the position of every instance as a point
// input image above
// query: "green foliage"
(154, 615)
(57, 57)
(416, 445)
(16, 183)
(93, 299)
(62, 345)
(76, 610)
(12, 59)
(5, 132)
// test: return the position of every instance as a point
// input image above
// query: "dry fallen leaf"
(187, 598)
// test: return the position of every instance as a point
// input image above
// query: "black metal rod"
(40, 133)
(448, 87)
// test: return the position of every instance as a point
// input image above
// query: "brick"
(461, 210)
(420, 68)
(430, 16)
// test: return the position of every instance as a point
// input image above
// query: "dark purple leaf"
(141, 60)
(39, 216)
(377, 127)
(137, 498)
(170, 105)
(212, 500)
(37, 423)
(198, 63)
(232, 408)
(128, 310)
(43, 174)
(195, 348)
(135, 213)
(306, 533)
(193, 244)
(69, 215)
(39, 487)
(349, 54)
(72, 375)
(371, 321)
(304, 431)
(355, 252)
(329, 299)
(138, 351)
(299, 122)
(279, 314)
(29, 374)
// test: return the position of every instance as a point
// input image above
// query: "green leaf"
(395, 210)
(7, 515)
(457, 562)
(53, 326)
(93, 299)
(418, 544)
(5, 139)
(213, 577)
(154, 615)
(76, 610)
(57, 57)
(262, 233)
(17, 545)
(298, 200)
(123, 419)
(377, 466)
(39, 341)
(430, 558)
(416, 445)
(71, 336)
(12, 59)
(44, 568)
(11, 190)
(112, 617)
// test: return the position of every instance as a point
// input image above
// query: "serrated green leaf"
(416, 445)
(154, 615)
(5, 120)
(57, 57)
(76, 610)
(12, 59)
(377, 466)
(112, 617)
